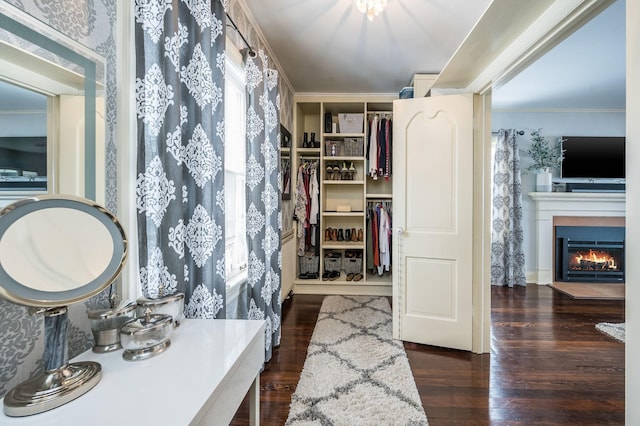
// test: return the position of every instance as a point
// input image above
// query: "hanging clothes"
(389, 149)
(379, 224)
(375, 233)
(372, 153)
(307, 207)
(383, 241)
(314, 194)
(369, 238)
(382, 146)
(379, 147)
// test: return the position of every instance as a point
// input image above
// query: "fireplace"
(589, 254)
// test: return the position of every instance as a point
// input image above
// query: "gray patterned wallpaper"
(93, 23)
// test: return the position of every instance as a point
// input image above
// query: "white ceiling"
(328, 46)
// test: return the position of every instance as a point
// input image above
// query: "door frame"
(482, 63)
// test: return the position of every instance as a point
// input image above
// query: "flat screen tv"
(593, 157)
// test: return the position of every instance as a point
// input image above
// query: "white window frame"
(234, 74)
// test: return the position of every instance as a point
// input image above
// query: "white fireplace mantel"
(552, 204)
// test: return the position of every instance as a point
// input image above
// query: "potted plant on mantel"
(545, 158)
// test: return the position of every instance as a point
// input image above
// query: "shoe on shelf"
(334, 275)
(308, 276)
(347, 234)
(334, 234)
(336, 172)
(344, 171)
(340, 235)
(327, 234)
(350, 277)
(325, 276)
(354, 235)
(357, 277)
(360, 237)
(329, 172)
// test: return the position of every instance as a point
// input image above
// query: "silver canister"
(146, 336)
(106, 325)
(172, 305)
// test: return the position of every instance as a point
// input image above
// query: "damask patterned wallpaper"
(92, 23)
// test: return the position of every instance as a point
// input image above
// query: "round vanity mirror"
(54, 251)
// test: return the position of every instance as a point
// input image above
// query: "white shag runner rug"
(355, 373)
(614, 330)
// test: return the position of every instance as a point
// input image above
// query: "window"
(234, 172)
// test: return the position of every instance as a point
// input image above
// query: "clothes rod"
(251, 52)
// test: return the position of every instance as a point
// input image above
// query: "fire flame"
(596, 258)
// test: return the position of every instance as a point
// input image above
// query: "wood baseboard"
(590, 290)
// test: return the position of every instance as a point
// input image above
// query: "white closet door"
(432, 220)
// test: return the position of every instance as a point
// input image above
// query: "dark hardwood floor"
(548, 365)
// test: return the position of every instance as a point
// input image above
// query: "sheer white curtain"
(507, 256)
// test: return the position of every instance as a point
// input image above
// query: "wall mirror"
(51, 111)
(54, 251)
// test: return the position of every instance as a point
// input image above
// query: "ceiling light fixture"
(371, 7)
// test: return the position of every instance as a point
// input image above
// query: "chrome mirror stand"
(61, 381)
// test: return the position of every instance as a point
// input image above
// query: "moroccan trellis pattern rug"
(614, 330)
(355, 372)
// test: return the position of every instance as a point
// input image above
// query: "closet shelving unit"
(343, 202)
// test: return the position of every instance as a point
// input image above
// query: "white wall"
(554, 125)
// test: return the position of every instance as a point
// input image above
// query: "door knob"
(400, 230)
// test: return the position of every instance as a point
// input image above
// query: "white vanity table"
(202, 378)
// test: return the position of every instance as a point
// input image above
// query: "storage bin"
(309, 264)
(350, 122)
(334, 263)
(406, 93)
(333, 148)
(353, 147)
(352, 265)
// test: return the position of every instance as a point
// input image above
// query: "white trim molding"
(554, 204)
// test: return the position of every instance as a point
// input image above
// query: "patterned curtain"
(180, 186)
(264, 215)
(507, 256)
